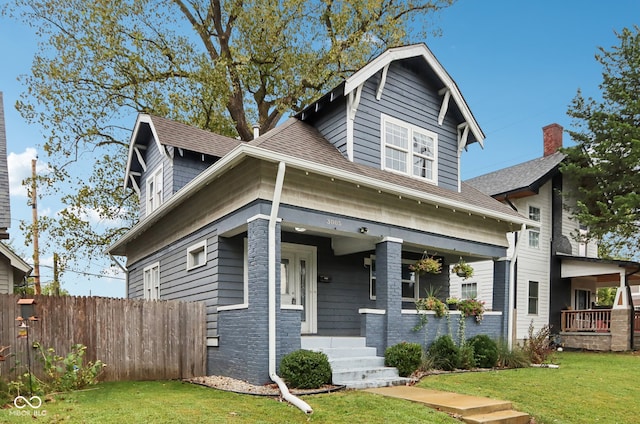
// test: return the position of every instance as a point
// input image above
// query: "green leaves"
(605, 162)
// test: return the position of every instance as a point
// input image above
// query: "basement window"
(197, 255)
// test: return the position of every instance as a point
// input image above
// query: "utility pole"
(34, 212)
(56, 281)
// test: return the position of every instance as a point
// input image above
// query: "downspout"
(512, 284)
(273, 219)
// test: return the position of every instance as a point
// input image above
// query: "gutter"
(243, 151)
(512, 284)
(273, 219)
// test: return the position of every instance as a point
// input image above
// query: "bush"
(406, 357)
(70, 372)
(304, 369)
(444, 353)
(538, 345)
(485, 351)
(511, 358)
(466, 358)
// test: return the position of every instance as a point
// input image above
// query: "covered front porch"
(587, 324)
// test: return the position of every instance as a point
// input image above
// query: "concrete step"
(508, 416)
(316, 342)
(356, 362)
(377, 382)
(347, 352)
(359, 374)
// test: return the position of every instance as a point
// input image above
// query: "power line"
(85, 273)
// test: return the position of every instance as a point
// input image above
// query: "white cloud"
(19, 165)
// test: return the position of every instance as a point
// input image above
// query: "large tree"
(605, 162)
(222, 65)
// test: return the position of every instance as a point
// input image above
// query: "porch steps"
(353, 363)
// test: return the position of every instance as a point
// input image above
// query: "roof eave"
(245, 150)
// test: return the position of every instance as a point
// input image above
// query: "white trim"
(200, 246)
(416, 50)
(142, 119)
(151, 288)
(391, 239)
(16, 261)
(245, 150)
(259, 216)
(372, 311)
(155, 197)
(383, 81)
(245, 272)
(408, 151)
(444, 106)
(213, 342)
(292, 307)
(233, 307)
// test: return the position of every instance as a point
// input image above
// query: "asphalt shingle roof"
(182, 136)
(525, 176)
(301, 140)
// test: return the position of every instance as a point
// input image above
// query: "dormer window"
(154, 190)
(409, 149)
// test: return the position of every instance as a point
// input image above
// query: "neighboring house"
(309, 229)
(13, 269)
(554, 271)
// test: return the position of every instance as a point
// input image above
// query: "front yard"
(588, 387)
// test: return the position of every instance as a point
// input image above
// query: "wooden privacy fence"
(137, 339)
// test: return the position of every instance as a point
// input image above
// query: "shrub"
(538, 345)
(511, 358)
(466, 359)
(64, 373)
(485, 351)
(304, 369)
(444, 353)
(406, 357)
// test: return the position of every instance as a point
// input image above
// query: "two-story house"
(13, 269)
(309, 229)
(555, 271)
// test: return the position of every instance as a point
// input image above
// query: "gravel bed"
(238, 386)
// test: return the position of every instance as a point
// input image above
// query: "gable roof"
(519, 180)
(449, 89)
(166, 132)
(5, 207)
(16, 261)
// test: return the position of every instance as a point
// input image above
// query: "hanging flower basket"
(427, 265)
(462, 269)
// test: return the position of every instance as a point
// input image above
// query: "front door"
(298, 285)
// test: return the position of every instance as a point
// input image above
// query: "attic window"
(409, 149)
(154, 190)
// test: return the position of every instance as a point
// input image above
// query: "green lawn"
(176, 402)
(587, 388)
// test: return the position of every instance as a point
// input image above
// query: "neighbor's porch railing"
(598, 320)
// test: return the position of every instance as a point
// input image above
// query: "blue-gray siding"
(186, 167)
(332, 125)
(411, 98)
(154, 158)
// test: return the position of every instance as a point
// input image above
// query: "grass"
(587, 388)
(174, 402)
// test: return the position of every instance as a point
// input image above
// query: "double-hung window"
(410, 280)
(151, 285)
(154, 190)
(533, 297)
(469, 290)
(409, 149)
(534, 234)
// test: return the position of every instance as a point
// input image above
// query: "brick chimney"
(552, 138)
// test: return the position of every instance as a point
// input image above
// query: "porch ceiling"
(603, 271)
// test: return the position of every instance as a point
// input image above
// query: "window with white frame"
(533, 297)
(410, 281)
(534, 234)
(151, 285)
(154, 190)
(469, 290)
(409, 149)
(197, 255)
(582, 241)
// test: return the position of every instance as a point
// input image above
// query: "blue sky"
(517, 63)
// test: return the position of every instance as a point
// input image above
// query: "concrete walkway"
(470, 409)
